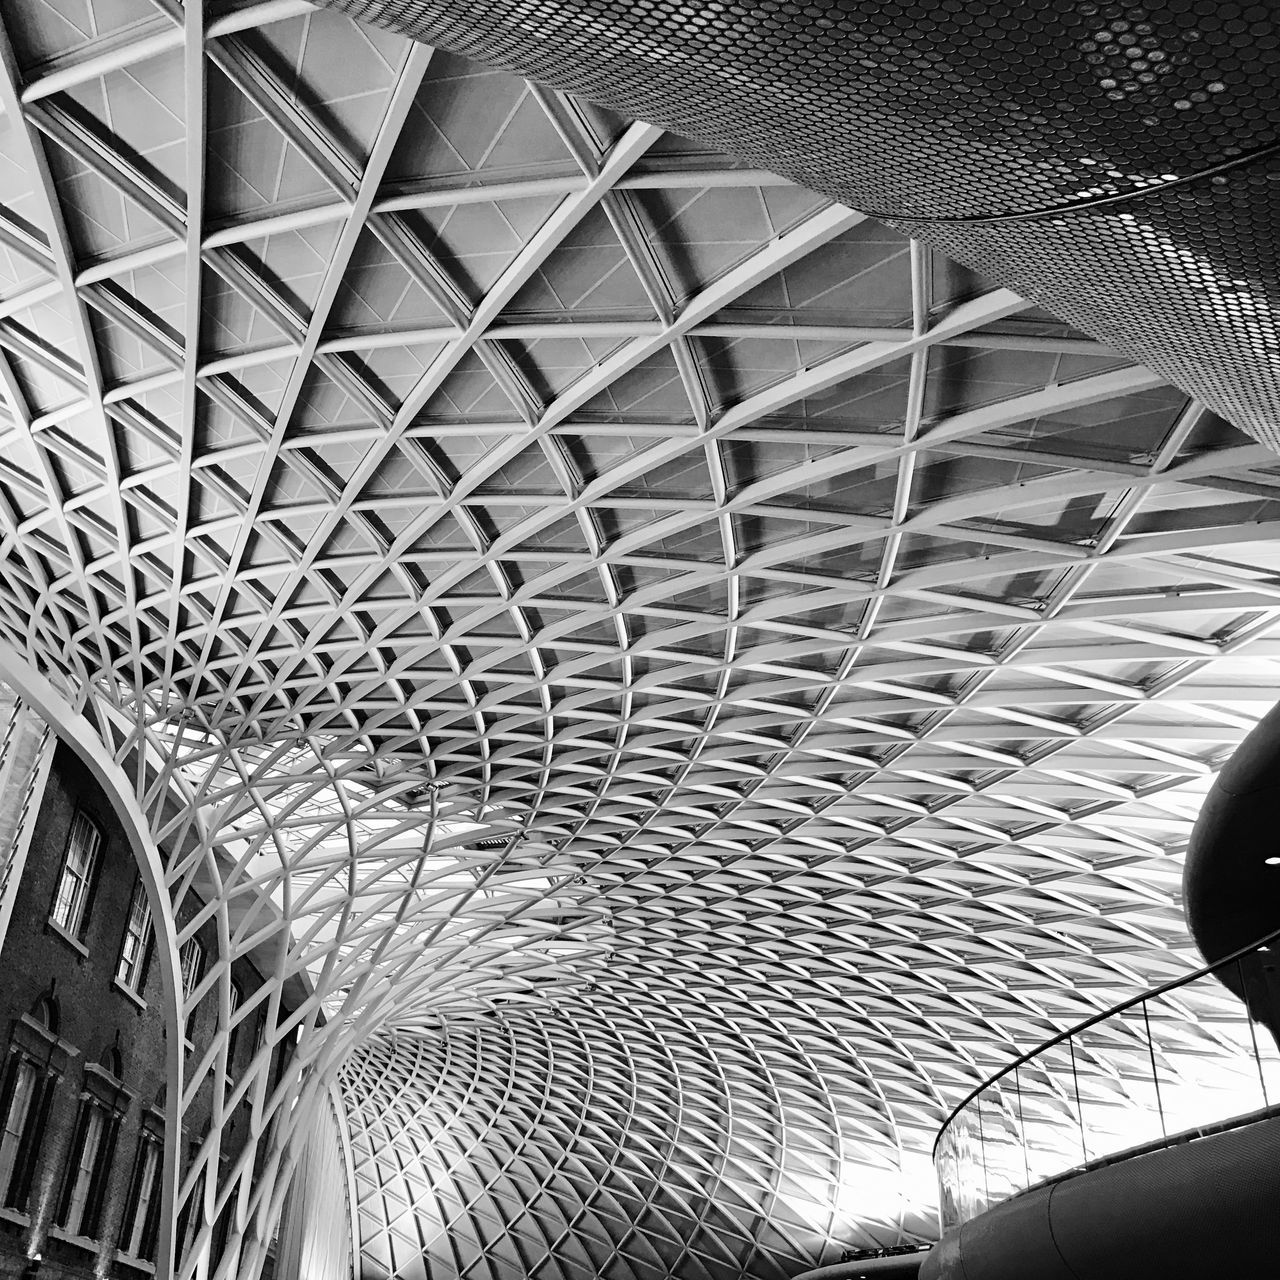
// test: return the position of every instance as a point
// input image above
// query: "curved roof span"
(688, 677)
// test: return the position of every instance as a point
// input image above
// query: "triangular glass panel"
(474, 242)
(128, 352)
(344, 71)
(378, 293)
(588, 276)
(54, 30)
(293, 264)
(139, 111)
(470, 392)
(653, 392)
(100, 217)
(392, 372)
(262, 386)
(469, 121)
(862, 276)
(44, 382)
(251, 165)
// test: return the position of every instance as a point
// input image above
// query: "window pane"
(150, 1163)
(192, 957)
(84, 1168)
(237, 995)
(72, 899)
(137, 934)
(11, 1138)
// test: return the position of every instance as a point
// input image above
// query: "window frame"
(20, 1068)
(71, 908)
(188, 1219)
(36, 1041)
(83, 1169)
(233, 1035)
(140, 1222)
(131, 972)
(105, 1100)
(191, 976)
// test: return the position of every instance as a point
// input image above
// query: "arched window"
(46, 1012)
(26, 1094)
(87, 1172)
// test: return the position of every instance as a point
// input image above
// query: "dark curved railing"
(1171, 1064)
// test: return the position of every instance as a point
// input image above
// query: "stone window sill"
(76, 1242)
(69, 938)
(135, 1264)
(129, 993)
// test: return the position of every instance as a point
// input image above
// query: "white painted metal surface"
(683, 680)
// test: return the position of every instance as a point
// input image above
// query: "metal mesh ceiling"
(688, 677)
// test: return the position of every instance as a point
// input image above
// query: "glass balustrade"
(1187, 1058)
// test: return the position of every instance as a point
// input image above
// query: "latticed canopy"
(684, 679)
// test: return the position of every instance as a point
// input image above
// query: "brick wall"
(98, 1020)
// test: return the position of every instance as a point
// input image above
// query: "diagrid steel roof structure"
(683, 678)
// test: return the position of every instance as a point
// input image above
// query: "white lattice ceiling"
(812, 653)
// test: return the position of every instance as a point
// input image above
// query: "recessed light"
(1273, 862)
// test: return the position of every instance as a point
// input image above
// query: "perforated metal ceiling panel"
(700, 676)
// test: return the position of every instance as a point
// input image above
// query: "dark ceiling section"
(1116, 163)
